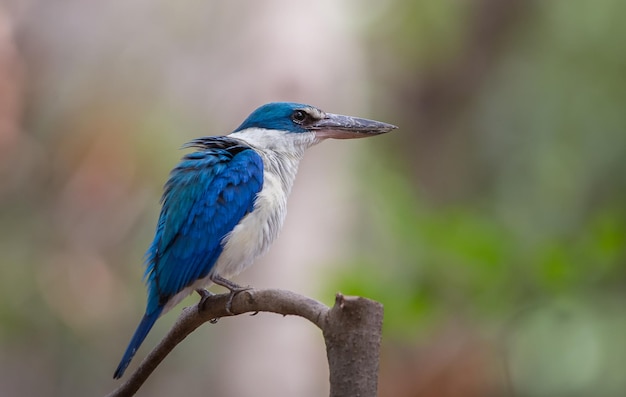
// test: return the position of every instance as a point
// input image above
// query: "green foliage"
(425, 262)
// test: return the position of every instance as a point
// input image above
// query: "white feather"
(281, 153)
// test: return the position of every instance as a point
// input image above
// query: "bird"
(224, 203)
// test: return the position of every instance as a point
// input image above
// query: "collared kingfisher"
(225, 203)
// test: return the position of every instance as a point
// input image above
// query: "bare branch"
(351, 329)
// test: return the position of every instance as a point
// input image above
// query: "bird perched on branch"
(225, 203)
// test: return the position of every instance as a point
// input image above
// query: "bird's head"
(295, 121)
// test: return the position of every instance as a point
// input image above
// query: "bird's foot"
(232, 287)
(231, 296)
(204, 296)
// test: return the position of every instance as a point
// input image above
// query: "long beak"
(347, 127)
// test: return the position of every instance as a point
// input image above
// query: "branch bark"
(351, 329)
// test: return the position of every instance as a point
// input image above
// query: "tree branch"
(352, 332)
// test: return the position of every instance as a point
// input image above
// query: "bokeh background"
(491, 225)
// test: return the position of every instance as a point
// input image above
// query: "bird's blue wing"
(207, 194)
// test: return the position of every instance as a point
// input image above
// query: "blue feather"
(196, 218)
(144, 327)
(206, 196)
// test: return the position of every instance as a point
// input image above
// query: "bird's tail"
(144, 327)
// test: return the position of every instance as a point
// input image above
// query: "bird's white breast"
(255, 233)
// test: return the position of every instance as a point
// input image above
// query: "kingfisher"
(224, 203)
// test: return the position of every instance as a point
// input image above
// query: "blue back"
(207, 194)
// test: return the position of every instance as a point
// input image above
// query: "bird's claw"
(231, 296)
(204, 296)
(232, 287)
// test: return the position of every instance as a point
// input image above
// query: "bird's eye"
(299, 116)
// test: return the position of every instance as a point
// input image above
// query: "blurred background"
(491, 225)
